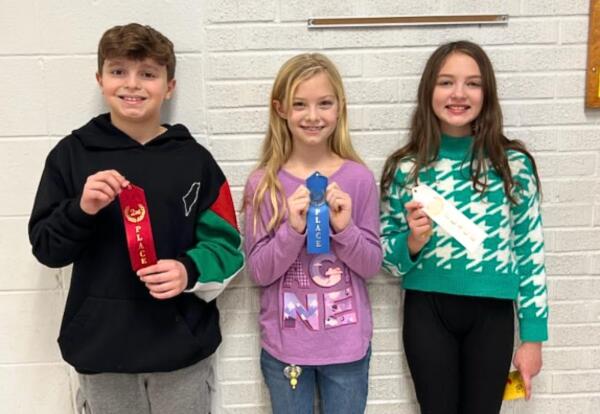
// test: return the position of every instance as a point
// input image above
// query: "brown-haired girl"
(458, 310)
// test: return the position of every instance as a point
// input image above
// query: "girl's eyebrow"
(299, 98)
(447, 75)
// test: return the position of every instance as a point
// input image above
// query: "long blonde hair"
(277, 145)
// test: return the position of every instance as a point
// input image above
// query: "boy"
(140, 341)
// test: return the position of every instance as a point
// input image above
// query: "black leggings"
(459, 350)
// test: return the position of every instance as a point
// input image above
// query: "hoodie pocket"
(120, 335)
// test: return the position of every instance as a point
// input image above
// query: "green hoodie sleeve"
(217, 255)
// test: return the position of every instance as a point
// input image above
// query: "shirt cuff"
(533, 330)
(350, 232)
(193, 275)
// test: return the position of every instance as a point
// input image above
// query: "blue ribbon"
(317, 218)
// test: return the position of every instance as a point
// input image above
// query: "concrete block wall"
(228, 54)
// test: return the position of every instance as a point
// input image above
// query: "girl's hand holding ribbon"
(420, 226)
(298, 207)
(340, 207)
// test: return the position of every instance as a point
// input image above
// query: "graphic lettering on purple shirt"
(338, 308)
(293, 308)
(326, 272)
(296, 274)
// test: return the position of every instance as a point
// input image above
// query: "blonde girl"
(315, 316)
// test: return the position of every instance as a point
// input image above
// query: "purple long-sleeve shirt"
(315, 309)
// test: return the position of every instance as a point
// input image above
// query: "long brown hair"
(489, 141)
(277, 145)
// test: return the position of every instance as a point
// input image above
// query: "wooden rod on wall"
(354, 22)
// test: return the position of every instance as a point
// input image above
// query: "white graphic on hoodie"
(191, 197)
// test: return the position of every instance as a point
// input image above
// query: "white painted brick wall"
(228, 54)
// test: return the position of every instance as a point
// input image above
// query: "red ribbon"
(136, 219)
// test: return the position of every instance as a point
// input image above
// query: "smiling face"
(458, 94)
(313, 115)
(134, 90)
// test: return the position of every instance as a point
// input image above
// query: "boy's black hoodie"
(110, 322)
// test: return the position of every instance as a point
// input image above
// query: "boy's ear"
(170, 88)
(99, 79)
(279, 109)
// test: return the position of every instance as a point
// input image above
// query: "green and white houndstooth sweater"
(511, 263)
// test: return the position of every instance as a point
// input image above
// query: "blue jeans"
(343, 388)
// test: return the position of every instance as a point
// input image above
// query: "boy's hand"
(100, 190)
(419, 225)
(298, 207)
(165, 279)
(340, 207)
(528, 360)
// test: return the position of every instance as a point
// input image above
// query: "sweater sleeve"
(528, 243)
(269, 254)
(397, 259)
(59, 231)
(217, 256)
(358, 244)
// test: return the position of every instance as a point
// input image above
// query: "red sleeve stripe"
(223, 206)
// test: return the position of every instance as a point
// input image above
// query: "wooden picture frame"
(592, 94)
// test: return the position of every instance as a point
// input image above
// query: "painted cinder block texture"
(228, 54)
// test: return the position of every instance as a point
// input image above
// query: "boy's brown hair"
(137, 42)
